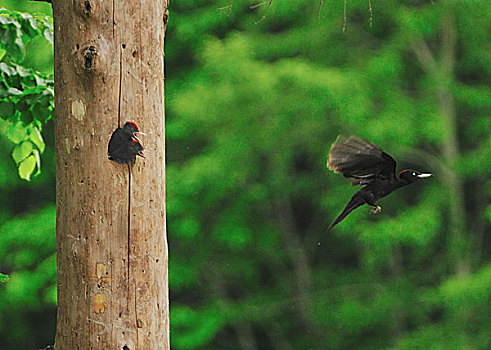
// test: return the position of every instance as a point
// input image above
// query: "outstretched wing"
(360, 160)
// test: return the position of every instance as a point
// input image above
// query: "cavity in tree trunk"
(110, 233)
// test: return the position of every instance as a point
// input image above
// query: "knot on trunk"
(86, 8)
(90, 54)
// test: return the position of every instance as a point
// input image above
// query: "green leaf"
(27, 167)
(36, 138)
(23, 72)
(3, 278)
(42, 111)
(4, 20)
(33, 23)
(36, 154)
(22, 106)
(19, 49)
(14, 91)
(7, 37)
(7, 69)
(17, 132)
(27, 117)
(29, 25)
(22, 151)
(48, 34)
(39, 80)
(48, 22)
(6, 109)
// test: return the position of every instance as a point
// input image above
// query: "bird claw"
(375, 210)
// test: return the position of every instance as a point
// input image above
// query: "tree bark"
(110, 234)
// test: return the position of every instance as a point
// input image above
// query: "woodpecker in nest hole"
(125, 145)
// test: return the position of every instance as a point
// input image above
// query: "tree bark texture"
(110, 224)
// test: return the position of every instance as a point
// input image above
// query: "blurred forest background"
(251, 112)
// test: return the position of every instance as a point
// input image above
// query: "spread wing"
(360, 160)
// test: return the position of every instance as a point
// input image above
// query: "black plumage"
(366, 164)
(124, 145)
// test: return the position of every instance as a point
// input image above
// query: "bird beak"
(424, 176)
(136, 137)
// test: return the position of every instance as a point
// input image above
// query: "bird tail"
(355, 202)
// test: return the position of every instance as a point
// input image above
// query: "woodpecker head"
(410, 175)
(131, 129)
(136, 149)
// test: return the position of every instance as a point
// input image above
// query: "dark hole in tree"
(87, 7)
(89, 56)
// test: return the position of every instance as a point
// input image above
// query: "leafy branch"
(26, 96)
(3, 278)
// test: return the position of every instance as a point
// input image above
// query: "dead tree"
(110, 224)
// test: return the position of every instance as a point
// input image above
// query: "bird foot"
(375, 210)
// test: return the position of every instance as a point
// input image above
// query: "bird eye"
(414, 174)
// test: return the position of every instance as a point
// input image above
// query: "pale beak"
(136, 137)
(424, 176)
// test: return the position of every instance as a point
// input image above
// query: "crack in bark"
(128, 256)
(128, 236)
(114, 23)
(136, 320)
(120, 85)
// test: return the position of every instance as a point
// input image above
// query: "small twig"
(370, 11)
(267, 9)
(344, 19)
(319, 10)
(257, 5)
(229, 7)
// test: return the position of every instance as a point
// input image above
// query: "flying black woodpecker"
(366, 164)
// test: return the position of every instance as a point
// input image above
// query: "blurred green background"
(251, 112)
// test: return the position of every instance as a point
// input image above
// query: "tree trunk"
(442, 72)
(110, 224)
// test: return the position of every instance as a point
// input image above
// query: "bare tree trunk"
(442, 73)
(298, 256)
(218, 289)
(459, 244)
(110, 234)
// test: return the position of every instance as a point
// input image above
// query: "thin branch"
(425, 57)
(319, 10)
(229, 7)
(257, 5)
(370, 11)
(265, 13)
(344, 18)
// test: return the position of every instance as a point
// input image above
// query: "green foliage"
(3, 278)
(27, 250)
(251, 113)
(26, 95)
